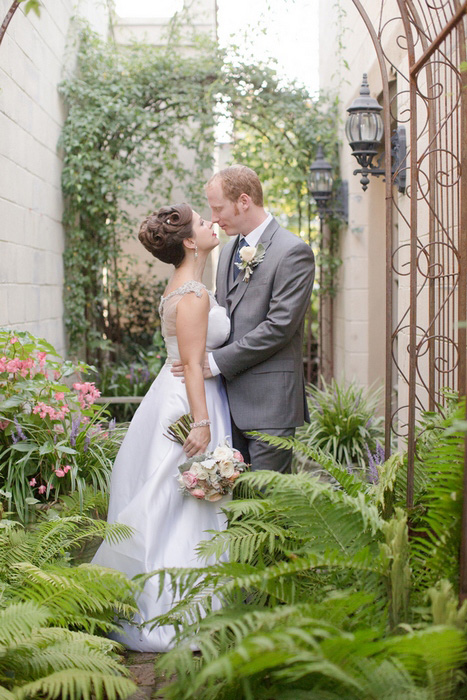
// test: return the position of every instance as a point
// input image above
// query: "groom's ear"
(244, 201)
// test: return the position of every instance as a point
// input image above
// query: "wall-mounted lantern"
(364, 130)
(321, 184)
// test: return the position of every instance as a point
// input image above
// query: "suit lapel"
(265, 240)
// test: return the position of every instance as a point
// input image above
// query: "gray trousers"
(261, 455)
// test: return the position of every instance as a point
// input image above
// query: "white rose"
(226, 469)
(247, 253)
(198, 470)
(208, 463)
(223, 453)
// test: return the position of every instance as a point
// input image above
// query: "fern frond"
(84, 596)
(18, 620)
(75, 684)
(346, 479)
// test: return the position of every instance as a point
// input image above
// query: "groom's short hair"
(237, 180)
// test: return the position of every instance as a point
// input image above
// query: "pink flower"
(66, 468)
(59, 395)
(238, 456)
(42, 488)
(58, 427)
(60, 472)
(197, 493)
(87, 393)
(4, 424)
(41, 356)
(14, 340)
(189, 479)
(57, 374)
(33, 482)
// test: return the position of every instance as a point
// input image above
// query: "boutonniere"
(250, 256)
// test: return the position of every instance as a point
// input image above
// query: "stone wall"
(33, 56)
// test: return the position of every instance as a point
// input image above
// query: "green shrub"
(344, 423)
(53, 438)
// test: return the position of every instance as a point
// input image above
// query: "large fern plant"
(51, 610)
(325, 596)
(39, 660)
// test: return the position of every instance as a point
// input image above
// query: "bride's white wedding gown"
(144, 492)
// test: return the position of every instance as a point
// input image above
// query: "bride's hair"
(163, 232)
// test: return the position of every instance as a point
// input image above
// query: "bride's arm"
(191, 329)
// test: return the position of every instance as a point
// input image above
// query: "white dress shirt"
(252, 239)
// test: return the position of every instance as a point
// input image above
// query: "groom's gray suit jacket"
(262, 361)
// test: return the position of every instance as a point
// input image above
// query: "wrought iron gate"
(426, 230)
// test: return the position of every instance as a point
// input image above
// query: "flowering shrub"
(52, 439)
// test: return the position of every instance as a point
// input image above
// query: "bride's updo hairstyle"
(163, 232)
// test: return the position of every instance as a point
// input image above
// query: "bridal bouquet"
(211, 475)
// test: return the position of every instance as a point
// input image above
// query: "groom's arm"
(289, 301)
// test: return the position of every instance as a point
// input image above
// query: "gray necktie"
(237, 258)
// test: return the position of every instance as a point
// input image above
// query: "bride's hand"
(177, 369)
(197, 441)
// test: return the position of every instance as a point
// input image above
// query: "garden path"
(141, 667)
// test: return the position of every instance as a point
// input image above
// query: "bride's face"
(203, 234)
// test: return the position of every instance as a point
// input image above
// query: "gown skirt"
(145, 494)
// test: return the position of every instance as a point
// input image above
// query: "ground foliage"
(326, 595)
(52, 610)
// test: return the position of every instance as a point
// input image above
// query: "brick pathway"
(141, 667)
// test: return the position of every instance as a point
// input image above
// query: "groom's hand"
(177, 369)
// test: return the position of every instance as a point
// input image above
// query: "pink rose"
(238, 456)
(189, 479)
(32, 482)
(197, 493)
(42, 489)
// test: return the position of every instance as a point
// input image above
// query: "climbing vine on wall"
(132, 112)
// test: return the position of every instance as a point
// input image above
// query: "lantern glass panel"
(320, 181)
(364, 127)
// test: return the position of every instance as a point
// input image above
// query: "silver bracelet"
(200, 423)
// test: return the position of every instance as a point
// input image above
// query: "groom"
(262, 361)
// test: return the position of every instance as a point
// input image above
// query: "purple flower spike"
(112, 424)
(74, 430)
(373, 462)
(87, 441)
(21, 435)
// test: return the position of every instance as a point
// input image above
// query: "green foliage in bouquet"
(51, 612)
(325, 596)
(53, 438)
(344, 422)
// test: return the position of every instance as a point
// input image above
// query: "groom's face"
(229, 215)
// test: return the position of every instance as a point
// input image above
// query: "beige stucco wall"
(33, 54)
(360, 305)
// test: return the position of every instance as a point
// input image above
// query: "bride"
(144, 491)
